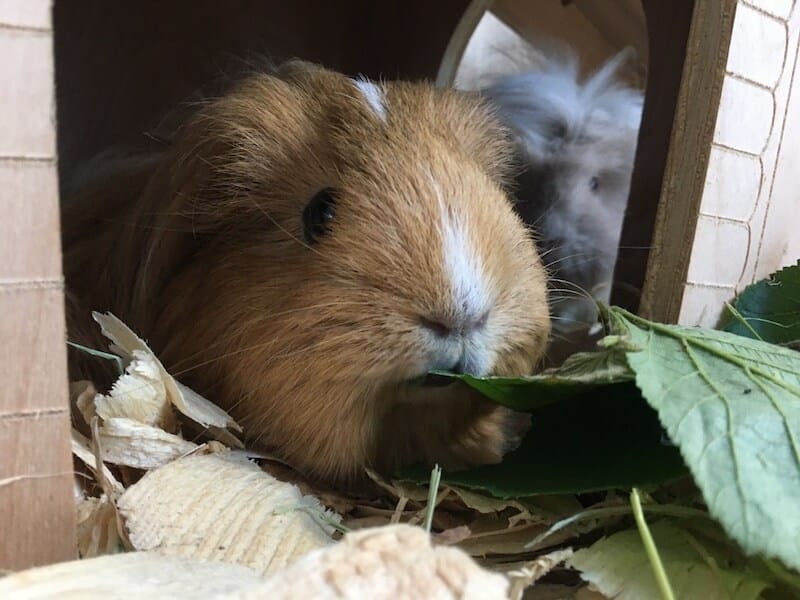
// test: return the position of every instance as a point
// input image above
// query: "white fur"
(464, 269)
(462, 265)
(373, 94)
(470, 300)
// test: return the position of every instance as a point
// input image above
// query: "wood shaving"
(206, 502)
(131, 575)
(396, 561)
(525, 576)
(223, 507)
(130, 347)
(82, 448)
(126, 442)
(140, 395)
(97, 527)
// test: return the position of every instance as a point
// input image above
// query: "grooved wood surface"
(747, 218)
(37, 512)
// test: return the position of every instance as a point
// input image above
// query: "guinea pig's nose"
(445, 327)
(459, 368)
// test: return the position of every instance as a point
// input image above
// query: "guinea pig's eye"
(594, 183)
(318, 215)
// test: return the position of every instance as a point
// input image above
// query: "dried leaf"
(452, 536)
(503, 540)
(223, 507)
(561, 592)
(82, 448)
(82, 394)
(97, 527)
(526, 575)
(200, 410)
(130, 575)
(487, 504)
(126, 442)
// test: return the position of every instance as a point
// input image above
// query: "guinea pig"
(576, 144)
(305, 249)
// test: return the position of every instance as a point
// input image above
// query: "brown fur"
(200, 249)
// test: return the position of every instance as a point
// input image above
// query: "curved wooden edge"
(448, 67)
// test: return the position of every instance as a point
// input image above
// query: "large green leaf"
(579, 373)
(770, 309)
(618, 567)
(601, 438)
(732, 405)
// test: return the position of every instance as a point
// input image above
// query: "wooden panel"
(31, 222)
(26, 73)
(37, 511)
(559, 20)
(673, 229)
(748, 215)
(668, 30)
(120, 65)
(26, 14)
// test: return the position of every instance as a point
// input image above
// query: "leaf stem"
(742, 321)
(650, 548)
(99, 353)
(433, 489)
(619, 511)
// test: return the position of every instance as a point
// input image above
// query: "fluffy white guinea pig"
(304, 250)
(576, 141)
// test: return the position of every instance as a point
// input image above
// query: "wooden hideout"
(713, 203)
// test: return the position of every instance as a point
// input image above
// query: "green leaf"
(732, 405)
(579, 373)
(770, 309)
(619, 568)
(602, 438)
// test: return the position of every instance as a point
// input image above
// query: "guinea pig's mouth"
(433, 380)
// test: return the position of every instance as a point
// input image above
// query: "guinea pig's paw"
(490, 437)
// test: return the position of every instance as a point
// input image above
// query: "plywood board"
(37, 513)
(684, 176)
(750, 208)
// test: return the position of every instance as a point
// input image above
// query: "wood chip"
(140, 395)
(525, 576)
(131, 575)
(97, 527)
(126, 442)
(129, 346)
(395, 561)
(224, 507)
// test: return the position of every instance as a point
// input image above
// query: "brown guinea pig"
(305, 250)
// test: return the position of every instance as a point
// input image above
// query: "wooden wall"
(37, 512)
(120, 64)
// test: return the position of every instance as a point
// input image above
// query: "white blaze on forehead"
(373, 94)
(462, 264)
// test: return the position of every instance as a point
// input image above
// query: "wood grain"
(668, 27)
(120, 65)
(37, 511)
(687, 161)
